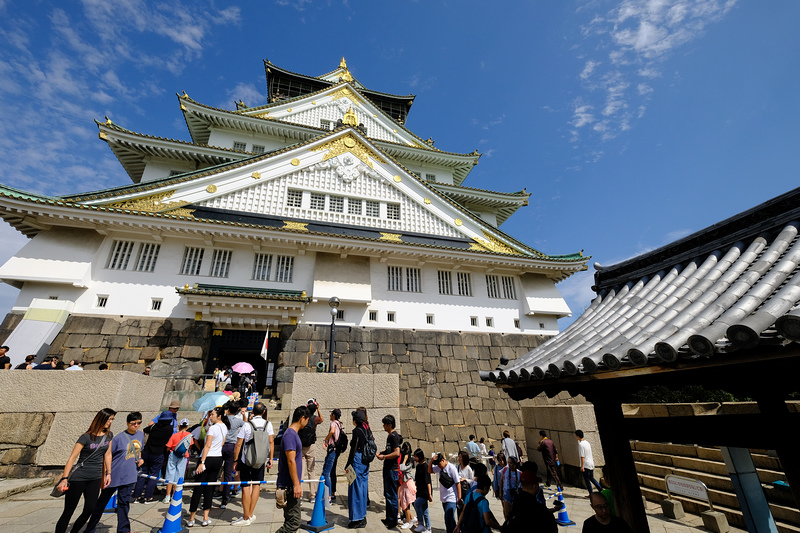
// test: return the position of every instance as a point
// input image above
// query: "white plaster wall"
(224, 138)
(443, 174)
(162, 168)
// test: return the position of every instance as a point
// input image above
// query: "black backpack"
(341, 443)
(471, 521)
(370, 449)
(308, 435)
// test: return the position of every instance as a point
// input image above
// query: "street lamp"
(334, 303)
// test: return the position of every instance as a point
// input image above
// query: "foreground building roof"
(730, 287)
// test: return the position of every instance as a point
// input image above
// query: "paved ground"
(35, 511)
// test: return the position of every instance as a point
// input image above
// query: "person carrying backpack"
(357, 491)
(335, 444)
(178, 447)
(255, 446)
(308, 437)
(476, 517)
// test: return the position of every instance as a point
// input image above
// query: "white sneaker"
(414, 520)
(428, 530)
(165, 500)
(242, 522)
(406, 525)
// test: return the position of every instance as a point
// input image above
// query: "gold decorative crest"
(427, 200)
(348, 143)
(256, 175)
(180, 212)
(262, 115)
(391, 237)
(295, 162)
(458, 221)
(289, 110)
(346, 92)
(350, 118)
(211, 188)
(151, 204)
(299, 226)
(398, 179)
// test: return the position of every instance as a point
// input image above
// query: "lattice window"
(258, 149)
(336, 204)
(148, 255)
(430, 178)
(390, 316)
(395, 278)
(445, 282)
(242, 147)
(489, 322)
(262, 267)
(353, 206)
(284, 268)
(220, 264)
(373, 316)
(373, 208)
(120, 255)
(429, 319)
(326, 124)
(413, 280)
(317, 201)
(340, 314)
(155, 304)
(516, 323)
(192, 260)
(473, 321)
(492, 286)
(464, 283)
(294, 198)
(102, 300)
(509, 292)
(393, 211)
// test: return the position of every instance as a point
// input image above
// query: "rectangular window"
(262, 266)
(445, 282)
(120, 255)
(373, 316)
(317, 201)
(509, 292)
(258, 149)
(294, 198)
(220, 264)
(336, 204)
(489, 322)
(53, 297)
(242, 147)
(430, 178)
(429, 319)
(192, 260)
(326, 124)
(155, 304)
(284, 268)
(353, 206)
(413, 280)
(393, 211)
(516, 323)
(102, 300)
(492, 286)
(390, 316)
(148, 254)
(473, 321)
(373, 208)
(395, 278)
(339, 314)
(464, 283)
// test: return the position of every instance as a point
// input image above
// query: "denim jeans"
(421, 507)
(450, 510)
(588, 478)
(327, 468)
(151, 467)
(390, 478)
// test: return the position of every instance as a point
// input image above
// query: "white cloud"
(637, 36)
(247, 92)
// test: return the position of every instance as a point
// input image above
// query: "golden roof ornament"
(184, 95)
(346, 76)
(350, 118)
(343, 63)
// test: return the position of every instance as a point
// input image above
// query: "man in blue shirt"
(485, 516)
(473, 449)
(126, 451)
(172, 411)
(290, 470)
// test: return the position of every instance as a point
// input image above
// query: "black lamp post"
(334, 303)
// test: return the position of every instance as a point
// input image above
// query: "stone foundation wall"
(442, 399)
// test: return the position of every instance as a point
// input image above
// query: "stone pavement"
(36, 512)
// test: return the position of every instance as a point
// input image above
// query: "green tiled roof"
(206, 289)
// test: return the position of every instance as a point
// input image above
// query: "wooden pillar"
(775, 412)
(619, 461)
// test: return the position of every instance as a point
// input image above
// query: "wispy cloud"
(629, 43)
(247, 92)
(60, 71)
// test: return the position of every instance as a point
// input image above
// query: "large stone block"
(25, 428)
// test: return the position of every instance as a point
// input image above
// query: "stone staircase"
(654, 461)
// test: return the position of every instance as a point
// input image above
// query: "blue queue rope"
(162, 481)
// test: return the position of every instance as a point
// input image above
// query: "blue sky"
(631, 122)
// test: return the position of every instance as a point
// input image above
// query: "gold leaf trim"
(398, 179)
(151, 204)
(348, 143)
(391, 237)
(427, 200)
(211, 188)
(458, 222)
(256, 175)
(299, 226)
(493, 244)
(295, 162)
(180, 212)
(346, 92)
